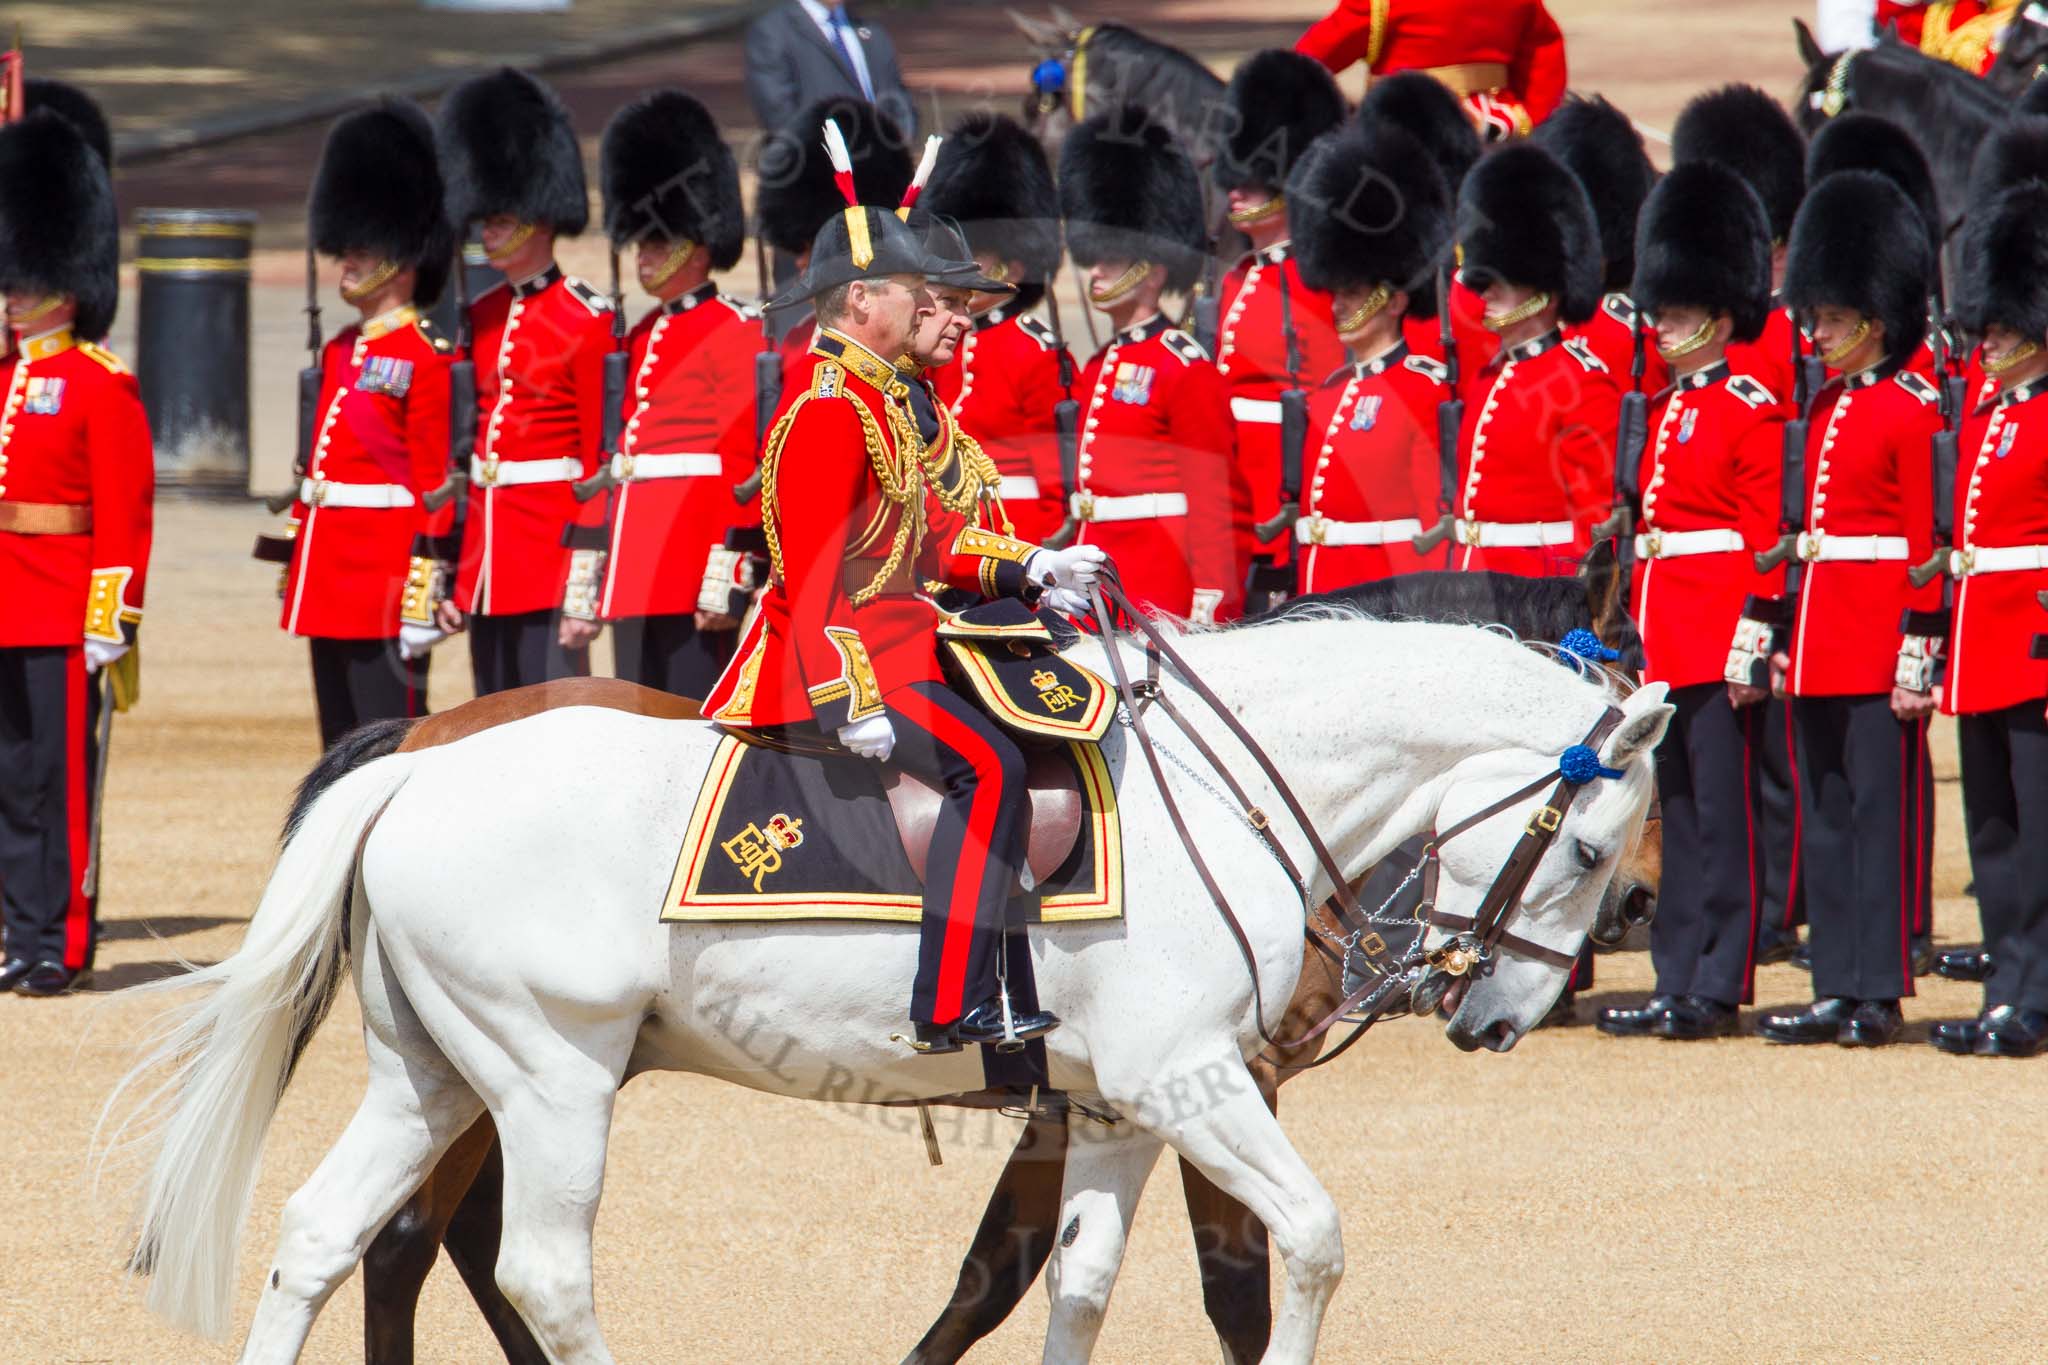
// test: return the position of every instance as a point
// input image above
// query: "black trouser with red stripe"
(358, 681)
(976, 846)
(670, 654)
(1702, 940)
(1920, 779)
(48, 706)
(1778, 842)
(1857, 771)
(2005, 816)
(517, 651)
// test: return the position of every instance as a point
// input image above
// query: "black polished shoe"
(1801, 957)
(1820, 1022)
(13, 970)
(1923, 956)
(1635, 1023)
(51, 978)
(1958, 1037)
(1562, 1014)
(2017, 1033)
(1963, 964)
(1876, 1023)
(1695, 1017)
(984, 1024)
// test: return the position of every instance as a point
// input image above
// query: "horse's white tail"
(227, 1055)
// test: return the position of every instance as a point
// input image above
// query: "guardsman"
(76, 484)
(1279, 102)
(1597, 143)
(363, 583)
(1011, 371)
(1372, 224)
(672, 197)
(1993, 685)
(1857, 670)
(512, 166)
(845, 642)
(1710, 502)
(1156, 445)
(1504, 59)
(796, 195)
(1537, 454)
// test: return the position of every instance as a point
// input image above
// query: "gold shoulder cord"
(1376, 36)
(1964, 44)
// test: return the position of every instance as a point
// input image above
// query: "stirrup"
(930, 1040)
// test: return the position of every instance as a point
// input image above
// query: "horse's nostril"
(1499, 1036)
(1639, 907)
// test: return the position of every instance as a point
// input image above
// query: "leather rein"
(1476, 937)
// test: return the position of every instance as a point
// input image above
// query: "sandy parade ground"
(1581, 1198)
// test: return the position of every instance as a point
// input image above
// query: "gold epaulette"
(104, 357)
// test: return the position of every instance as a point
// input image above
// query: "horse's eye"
(1588, 856)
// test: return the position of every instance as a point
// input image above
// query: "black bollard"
(192, 345)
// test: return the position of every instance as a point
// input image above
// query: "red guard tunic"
(1505, 58)
(688, 438)
(1373, 483)
(845, 621)
(1964, 33)
(1710, 502)
(540, 349)
(73, 436)
(1155, 465)
(1477, 346)
(1002, 388)
(1610, 334)
(1869, 517)
(382, 445)
(1768, 360)
(1537, 458)
(1251, 355)
(2002, 555)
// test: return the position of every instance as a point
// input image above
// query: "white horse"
(501, 897)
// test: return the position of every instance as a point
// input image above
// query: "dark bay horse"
(1104, 65)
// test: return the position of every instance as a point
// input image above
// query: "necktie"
(840, 41)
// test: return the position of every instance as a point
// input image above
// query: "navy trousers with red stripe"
(1857, 811)
(2005, 817)
(47, 708)
(358, 681)
(1702, 941)
(976, 845)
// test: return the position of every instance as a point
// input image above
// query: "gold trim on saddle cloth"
(1076, 707)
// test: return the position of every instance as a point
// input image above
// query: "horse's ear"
(1809, 46)
(1064, 17)
(1644, 717)
(1047, 37)
(1600, 572)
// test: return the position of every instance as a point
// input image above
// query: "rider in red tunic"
(1372, 223)
(1503, 58)
(672, 193)
(1964, 33)
(867, 497)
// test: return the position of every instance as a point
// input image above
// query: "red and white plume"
(924, 173)
(842, 162)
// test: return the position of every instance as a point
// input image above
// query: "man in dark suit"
(807, 50)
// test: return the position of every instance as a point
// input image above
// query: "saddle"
(1055, 822)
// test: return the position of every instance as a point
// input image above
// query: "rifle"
(1450, 424)
(612, 433)
(1066, 425)
(1205, 309)
(1792, 489)
(1943, 451)
(309, 388)
(1293, 429)
(461, 393)
(1631, 436)
(767, 380)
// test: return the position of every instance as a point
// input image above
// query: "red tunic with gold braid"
(1002, 388)
(382, 445)
(1504, 58)
(688, 439)
(1251, 355)
(74, 453)
(2001, 525)
(1963, 33)
(540, 348)
(860, 516)
(1371, 472)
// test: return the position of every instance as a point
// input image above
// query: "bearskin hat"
(797, 193)
(1367, 206)
(1129, 192)
(74, 105)
(1598, 144)
(507, 146)
(1704, 241)
(666, 174)
(1750, 133)
(993, 179)
(1280, 101)
(1424, 107)
(1860, 243)
(59, 233)
(2016, 150)
(1524, 218)
(1858, 141)
(2004, 275)
(378, 189)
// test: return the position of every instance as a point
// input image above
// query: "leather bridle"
(1389, 978)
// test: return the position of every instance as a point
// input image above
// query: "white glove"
(98, 654)
(872, 738)
(1075, 568)
(1203, 610)
(1067, 602)
(415, 641)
